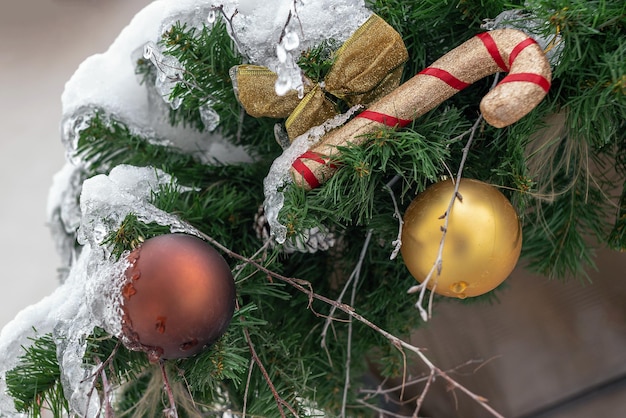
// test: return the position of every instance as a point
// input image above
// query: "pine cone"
(309, 241)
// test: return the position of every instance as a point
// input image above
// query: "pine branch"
(35, 383)
(559, 238)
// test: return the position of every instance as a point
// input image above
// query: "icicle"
(211, 17)
(169, 73)
(283, 84)
(291, 40)
(281, 53)
(210, 118)
(278, 176)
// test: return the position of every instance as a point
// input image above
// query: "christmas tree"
(285, 145)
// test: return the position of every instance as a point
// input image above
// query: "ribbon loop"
(366, 67)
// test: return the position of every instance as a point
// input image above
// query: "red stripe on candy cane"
(493, 50)
(386, 120)
(519, 48)
(529, 77)
(305, 171)
(446, 77)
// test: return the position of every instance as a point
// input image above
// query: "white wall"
(42, 42)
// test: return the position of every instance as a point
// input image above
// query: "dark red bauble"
(179, 297)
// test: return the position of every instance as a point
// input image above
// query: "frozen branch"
(229, 20)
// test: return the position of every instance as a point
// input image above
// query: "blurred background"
(554, 349)
(42, 42)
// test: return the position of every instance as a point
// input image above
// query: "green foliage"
(356, 195)
(131, 234)
(430, 28)
(561, 202)
(557, 237)
(207, 56)
(107, 142)
(316, 62)
(117, 362)
(591, 73)
(35, 383)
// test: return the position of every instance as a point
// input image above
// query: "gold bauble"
(482, 243)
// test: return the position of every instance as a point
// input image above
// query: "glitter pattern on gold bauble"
(482, 244)
(179, 297)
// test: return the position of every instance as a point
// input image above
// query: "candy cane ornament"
(509, 50)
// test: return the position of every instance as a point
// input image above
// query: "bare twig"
(357, 277)
(381, 390)
(438, 264)
(245, 394)
(170, 412)
(100, 372)
(280, 402)
(106, 391)
(381, 411)
(306, 288)
(398, 242)
(355, 273)
(228, 19)
(238, 269)
(284, 31)
(422, 396)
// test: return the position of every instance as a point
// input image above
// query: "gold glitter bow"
(366, 67)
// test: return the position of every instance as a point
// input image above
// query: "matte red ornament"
(179, 297)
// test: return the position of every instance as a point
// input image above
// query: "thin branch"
(306, 288)
(381, 411)
(188, 388)
(233, 33)
(106, 391)
(438, 264)
(245, 393)
(387, 390)
(170, 412)
(420, 400)
(280, 402)
(398, 242)
(416, 380)
(100, 372)
(357, 277)
(239, 268)
(355, 273)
